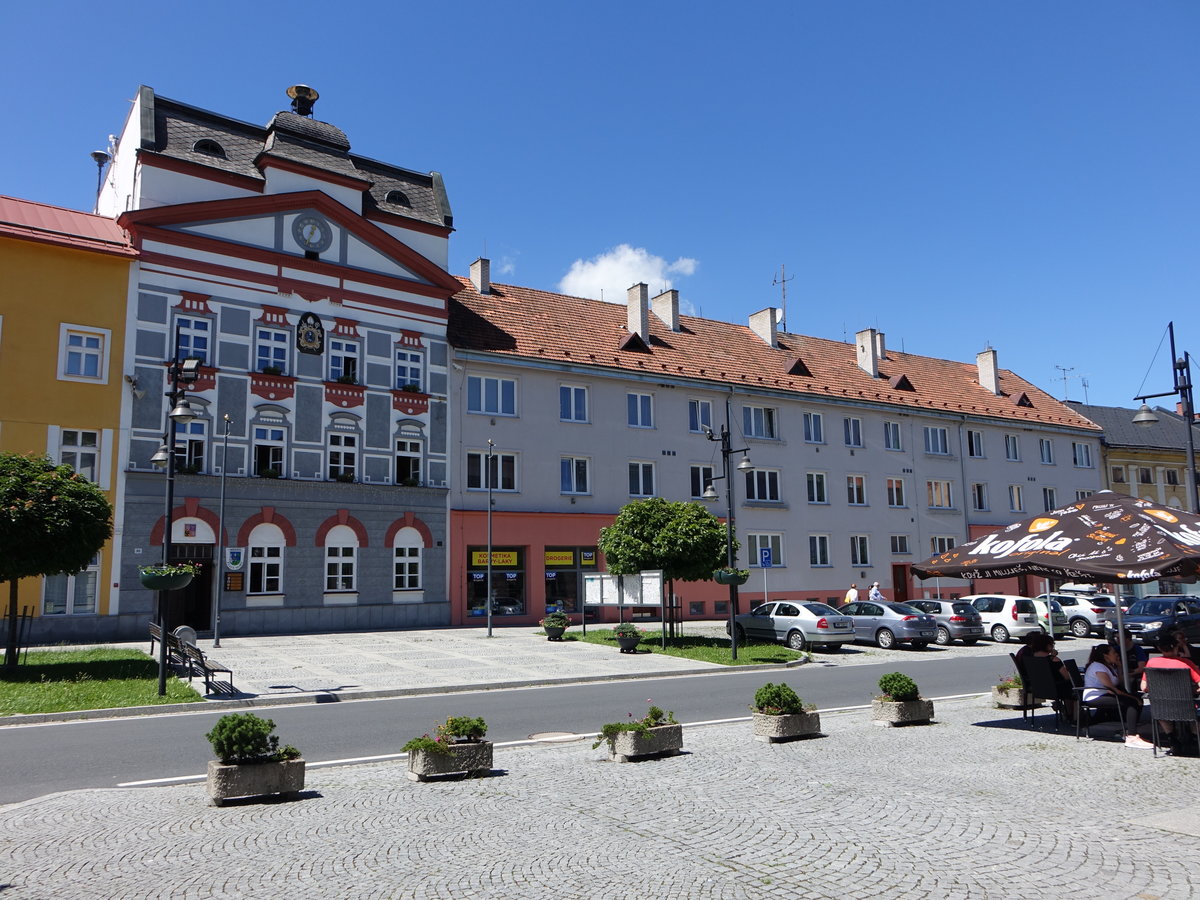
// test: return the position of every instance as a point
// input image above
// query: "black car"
(1151, 616)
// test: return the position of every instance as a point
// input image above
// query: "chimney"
(763, 323)
(989, 375)
(481, 275)
(880, 347)
(867, 351)
(639, 311)
(666, 307)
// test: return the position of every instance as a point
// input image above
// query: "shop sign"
(587, 557)
(499, 558)
(560, 557)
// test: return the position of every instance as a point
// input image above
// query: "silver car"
(888, 624)
(1085, 612)
(799, 625)
(956, 620)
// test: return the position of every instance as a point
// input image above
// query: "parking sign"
(764, 557)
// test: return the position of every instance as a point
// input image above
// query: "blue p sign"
(764, 557)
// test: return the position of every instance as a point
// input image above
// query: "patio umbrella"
(1106, 537)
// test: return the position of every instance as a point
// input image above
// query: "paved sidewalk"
(974, 806)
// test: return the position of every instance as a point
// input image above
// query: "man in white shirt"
(876, 594)
(851, 595)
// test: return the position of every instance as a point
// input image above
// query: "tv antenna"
(782, 281)
(1066, 380)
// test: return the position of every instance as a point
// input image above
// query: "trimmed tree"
(52, 521)
(685, 540)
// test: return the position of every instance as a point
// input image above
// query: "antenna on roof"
(782, 281)
(1084, 383)
(1066, 380)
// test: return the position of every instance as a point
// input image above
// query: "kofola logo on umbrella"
(1036, 541)
(1181, 531)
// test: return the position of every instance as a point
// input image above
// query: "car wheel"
(795, 641)
(970, 642)
(920, 645)
(999, 634)
(741, 634)
(943, 636)
(1081, 628)
(885, 639)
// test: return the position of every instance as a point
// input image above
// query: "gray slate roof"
(1119, 431)
(172, 129)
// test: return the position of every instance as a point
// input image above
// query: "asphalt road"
(43, 759)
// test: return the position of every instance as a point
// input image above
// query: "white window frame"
(852, 431)
(772, 540)
(760, 422)
(860, 550)
(272, 347)
(570, 468)
(814, 428)
(1049, 499)
(264, 568)
(892, 436)
(76, 454)
(937, 442)
(979, 496)
(1016, 498)
(411, 448)
(818, 551)
(573, 403)
(975, 444)
(1081, 455)
(503, 469)
(100, 354)
(762, 485)
(191, 444)
(409, 365)
(1046, 451)
(1012, 447)
(699, 416)
(342, 448)
(895, 493)
(817, 486)
(490, 395)
(271, 440)
(899, 544)
(941, 543)
(88, 580)
(856, 490)
(941, 491)
(1083, 494)
(193, 341)
(701, 477)
(408, 570)
(639, 409)
(641, 478)
(345, 359)
(341, 568)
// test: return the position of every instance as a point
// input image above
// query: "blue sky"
(1020, 174)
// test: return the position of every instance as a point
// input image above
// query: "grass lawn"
(69, 680)
(703, 649)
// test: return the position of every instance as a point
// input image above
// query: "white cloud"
(609, 275)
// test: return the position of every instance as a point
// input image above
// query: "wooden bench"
(197, 662)
(175, 655)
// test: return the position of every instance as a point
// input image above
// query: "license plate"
(974, 630)
(927, 634)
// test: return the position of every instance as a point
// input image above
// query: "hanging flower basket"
(167, 578)
(731, 576)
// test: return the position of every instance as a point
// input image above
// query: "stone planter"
(773, 729)
(172, 582)
(628, 644)
(254, 780)
(665, 740)
(553, 633)
(730, 577)
(901, 712)
(1012, 700)
(469, 757)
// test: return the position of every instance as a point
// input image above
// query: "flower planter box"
(172, 582)
(469, 757)
(254, 780)
(773, 729)
(730, 577)
(664, 740)
(901, 712)
(1013, 700)
(553, 633)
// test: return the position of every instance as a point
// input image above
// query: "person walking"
(851, 595)
(876, 594)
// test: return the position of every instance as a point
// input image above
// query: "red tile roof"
(26, 220)
(525, 323)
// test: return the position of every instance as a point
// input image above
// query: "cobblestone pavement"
(976, 805)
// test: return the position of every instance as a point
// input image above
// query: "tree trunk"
(10, 646)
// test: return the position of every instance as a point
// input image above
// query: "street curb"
(124, 712)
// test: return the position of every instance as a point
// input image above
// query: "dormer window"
(398, 198)
(209, 147)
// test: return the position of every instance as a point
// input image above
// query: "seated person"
(1101, 689)
(1038, 644)
(1135, 654)
(1174, 656)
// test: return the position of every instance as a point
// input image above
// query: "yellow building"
(63, 297)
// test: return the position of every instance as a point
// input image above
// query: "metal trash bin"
(186, 634)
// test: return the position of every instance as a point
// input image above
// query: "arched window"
(398, 198)
(209, 147)
(341, 560)
(266, 560)
(406, 551)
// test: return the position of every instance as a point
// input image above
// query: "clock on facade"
(312, 233)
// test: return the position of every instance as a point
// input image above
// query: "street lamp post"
(1181, 370)
(710, 494)
(181, 373)
(219, 568)
(488, 589)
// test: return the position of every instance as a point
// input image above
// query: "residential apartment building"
(310, 283)
(62, 338)
(865, 459)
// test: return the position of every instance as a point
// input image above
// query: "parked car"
(799, 625)
(1005, 616)
(888, 624)
(956, 620)
(1085, 612)
(1149, 617)
(1060, 617)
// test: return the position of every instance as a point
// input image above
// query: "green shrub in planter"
(899, 687)
(240, 738)
(556, 620)
(778, 700)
